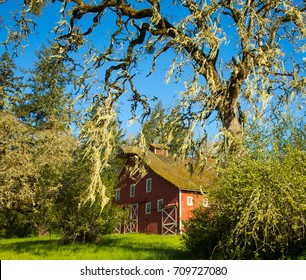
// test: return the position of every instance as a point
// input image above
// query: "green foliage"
(14, 223)
(204, 231)
(34, 147)
(41, 184)
(85, 222)
(48, 105)
(164, 128)
(154, 128)
(266, 199)
(31, 165)
(259, 210)
(10, 84)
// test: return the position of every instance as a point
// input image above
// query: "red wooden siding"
(175, 203)
(161, 189)
(186, 210)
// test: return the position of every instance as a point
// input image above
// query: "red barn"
(158, 191)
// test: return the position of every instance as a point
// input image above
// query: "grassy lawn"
(111, 247)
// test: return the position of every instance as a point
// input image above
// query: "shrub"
(16, 224)
(262, 213)
(87, 224)
(204, 232)
(87, 221)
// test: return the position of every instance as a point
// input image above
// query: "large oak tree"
(233, 56)
(268, 36)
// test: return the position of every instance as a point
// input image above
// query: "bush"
(84, 222)
(203, 232)
(87, 224)
(261, 213)
(16, 224)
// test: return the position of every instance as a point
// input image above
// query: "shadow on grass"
(34, 247)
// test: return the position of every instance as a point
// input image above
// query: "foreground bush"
(87, 224)
(204, 232)
(259, 210)
(83, 222)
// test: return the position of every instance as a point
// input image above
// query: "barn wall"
(161, 189)
(197, 199)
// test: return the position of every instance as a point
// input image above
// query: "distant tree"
(10, 85)
(157, 126)
(153, 128)
(48, 103)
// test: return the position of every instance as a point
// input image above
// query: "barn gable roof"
(175, 171)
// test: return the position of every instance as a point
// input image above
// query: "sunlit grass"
(111, 247)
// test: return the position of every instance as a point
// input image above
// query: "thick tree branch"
(256, 24)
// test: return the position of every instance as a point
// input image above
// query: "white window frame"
(160, 204)
(148, 208)
(132, 190)
(189, 200)
(117, 196)
(148, 185)
(205, 202)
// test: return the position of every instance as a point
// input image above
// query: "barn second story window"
(117, 196)
(205, 202)
(132, 190)
(160, 204)
(189, 200)
(148, 207)
(148, 185)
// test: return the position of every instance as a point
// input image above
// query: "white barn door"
(169, 220)
(131, 225)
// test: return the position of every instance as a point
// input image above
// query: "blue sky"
(152, 86)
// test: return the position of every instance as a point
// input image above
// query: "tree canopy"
(237, 51)
(156, 128)
(237, 60)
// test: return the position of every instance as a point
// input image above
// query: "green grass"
(111, 247)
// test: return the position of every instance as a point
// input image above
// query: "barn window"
(132, 190)
(189, 200)
(149, 185)
(148, 208)
(160, 204)
(205, 202)
(117, 197)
